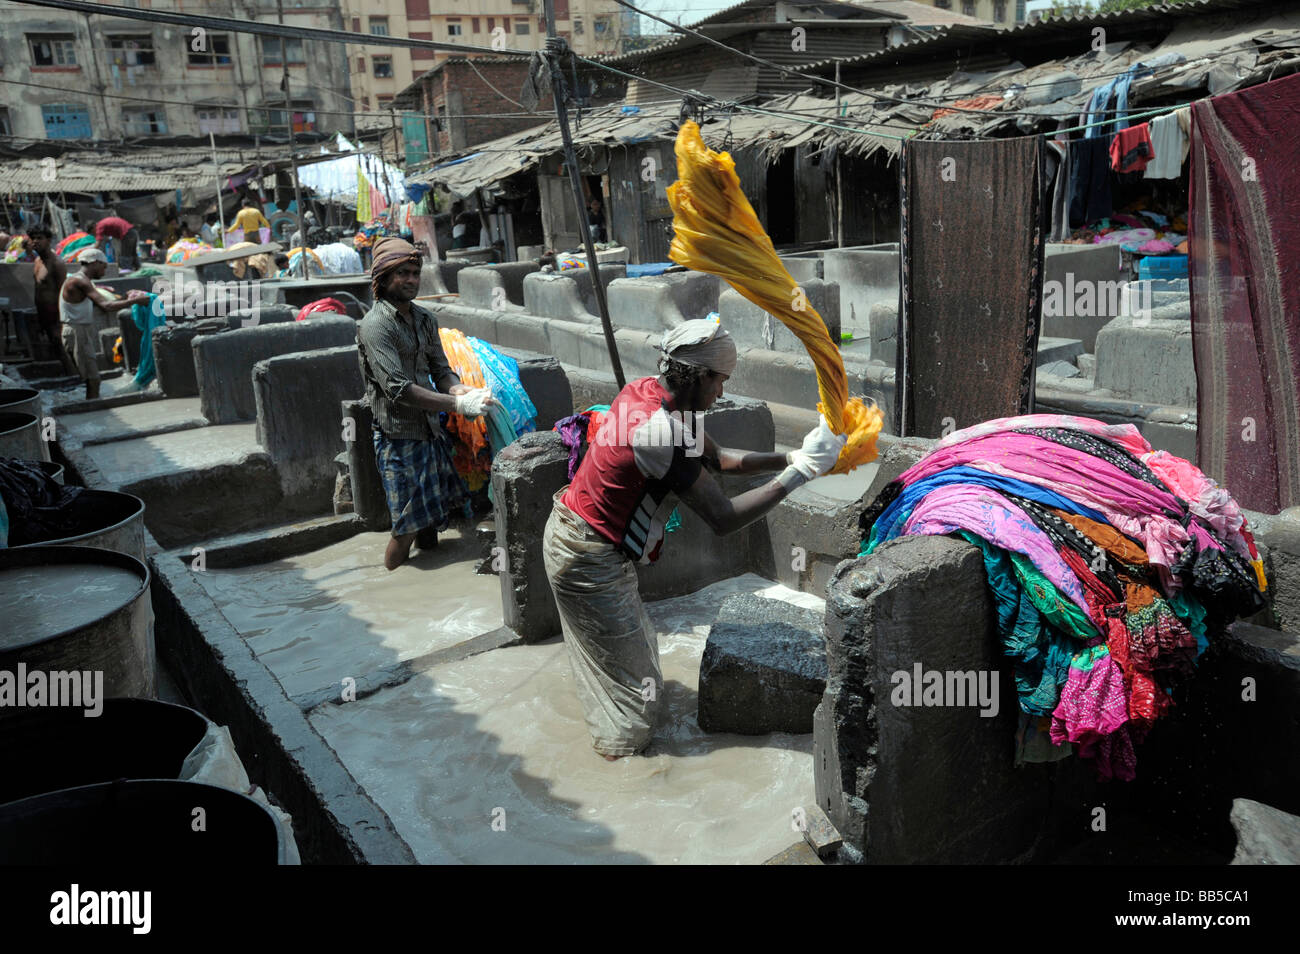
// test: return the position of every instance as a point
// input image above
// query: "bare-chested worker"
(77, 305)
(49, 274)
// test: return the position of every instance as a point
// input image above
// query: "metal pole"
(839, 170)
(293, 159)
(558, 91)
(221, 209)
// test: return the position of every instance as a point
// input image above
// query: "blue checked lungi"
(420, 482)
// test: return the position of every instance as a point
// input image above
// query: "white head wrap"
(703, 343)
(88, 255)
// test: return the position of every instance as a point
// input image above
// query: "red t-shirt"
(644, 452)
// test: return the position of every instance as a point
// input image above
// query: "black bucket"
(20, 436)
(21, 400)
(53, 749)
(52, 470)
(78, 609)
(149, 821)
(109, 520)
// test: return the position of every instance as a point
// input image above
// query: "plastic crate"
(1163, 266)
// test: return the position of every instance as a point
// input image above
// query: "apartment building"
(379, 73)
(69, 75)
(998, 12)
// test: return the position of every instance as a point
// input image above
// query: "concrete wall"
(1071, 271)
(753, 327)
(1147, 359)
(298, 420)
(173, 355)
(18, 284)
(479, 284)
(223, 363)
(569, 294)
(865, 275)
(664, 301)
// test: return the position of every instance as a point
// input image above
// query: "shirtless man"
(77, 305)
(49, 274)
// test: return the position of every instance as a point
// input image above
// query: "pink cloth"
(1204, 498)
(1092, 715)
(992, 516)
(1126, 436)
(1156, 247)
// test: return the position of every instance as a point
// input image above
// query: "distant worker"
(48, 273)
(77, 305)
(400, 350)
(211, 226)
(250, 219)
(649, 452)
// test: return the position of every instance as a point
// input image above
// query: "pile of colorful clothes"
(1112, 567)
(70, 247)
(186, 249)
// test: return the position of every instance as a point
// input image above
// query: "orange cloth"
(472, 456)
(716, 231)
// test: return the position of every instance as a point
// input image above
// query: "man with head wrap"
(650, 451)
(400, 351)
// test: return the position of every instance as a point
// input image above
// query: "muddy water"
(40, 601)
(500, 738)
(317, 618)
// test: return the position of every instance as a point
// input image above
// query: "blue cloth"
(501, 374)
(1100, 99)
(147, 318)
(420, 482)
(891, 521)
(648, 269)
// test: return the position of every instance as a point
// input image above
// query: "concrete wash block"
(1147, 360)
(915, 784)
(223, 363)
(567, 295)
(546, 385)
(1265, 836)
(865, 275)
(1070, 271)
(803, 266)
(659, 302)
(479, 283)
(763, 668)
(431, 281)
(752, 327)
(267, 314)
(883, 321)
(368, 499)
(298, 398)
(1278, 538)
(173, 354)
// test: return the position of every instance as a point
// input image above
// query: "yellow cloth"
(716, 231)
(262, 261)
(250, 220)
(363, 196)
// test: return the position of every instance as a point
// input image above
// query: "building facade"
(998, 12)
(74, 76)
(379, 73)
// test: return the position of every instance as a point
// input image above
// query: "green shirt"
(395, 353)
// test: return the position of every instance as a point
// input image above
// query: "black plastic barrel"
(53, 749)
(52, 470)
(78, 609)
(106, 519)
(21, 400)
(20, 436)
(149, 821)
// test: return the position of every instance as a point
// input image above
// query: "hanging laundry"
(716, 231)
(1131, 149)
(1112, 568)
(1245, 252)
(147, 317)
(1170, 144)
(1090, 187)
(364, 214)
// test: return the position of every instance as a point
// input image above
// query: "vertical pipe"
(216, 171)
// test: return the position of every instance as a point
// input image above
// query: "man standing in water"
(77, 304)
(612, 515)
(400, 352)
(49, 274)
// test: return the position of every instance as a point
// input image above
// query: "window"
(505, 24)
(129, 51)
(474, 21)
(383, 67)
(273, 119)
(422, 52)
(454, 29)
(417, 9)
(943, 4)
(379, 26)
(5, 128)
(361, 64)
(59, 49)
(577, 28)
(356, 24)
(66, 121)
(218, 119)
(522, 28)
(271, 46)
(216, 54)
(602, 25)
(144, 122)
(1000, 11)
(492, 24)
(968, 7)
(385, 102)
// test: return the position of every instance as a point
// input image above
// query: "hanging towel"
(1131, 149)
(1170, 144)
(1090, 185)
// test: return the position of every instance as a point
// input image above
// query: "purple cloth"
(572, 429)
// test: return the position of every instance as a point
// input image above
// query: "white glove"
(473, 402)
(821, 448)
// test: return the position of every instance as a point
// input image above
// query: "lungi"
(420, 483)
(79, 343)
(612, 643)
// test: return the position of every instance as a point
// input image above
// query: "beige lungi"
(79, 342)
(612, 643)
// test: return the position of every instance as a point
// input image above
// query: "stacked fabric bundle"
(1112, 567)
(70, 247)
(186, 249)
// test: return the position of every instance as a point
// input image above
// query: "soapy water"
(488, 760)
(40, 601)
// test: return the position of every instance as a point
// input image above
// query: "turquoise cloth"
(146, 318)
(501, 375)
(4, 525)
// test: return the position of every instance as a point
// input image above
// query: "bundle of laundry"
(1113, 566)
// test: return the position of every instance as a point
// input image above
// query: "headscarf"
(389, 254)
(703, 343)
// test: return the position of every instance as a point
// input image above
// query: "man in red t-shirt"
(649, 452)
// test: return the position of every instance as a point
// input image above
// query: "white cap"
(88, 255)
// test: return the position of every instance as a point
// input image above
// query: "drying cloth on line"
(1244, 235)
(716, 231)
(1059, 167)
(147, 317)
(1090, 181)
(973, 234)
(38, 507)
(1131, 149)
(1170, 144)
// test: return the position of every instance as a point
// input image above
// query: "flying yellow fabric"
(717, 232)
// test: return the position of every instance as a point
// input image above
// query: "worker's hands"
(821, 448)
(474, 402)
